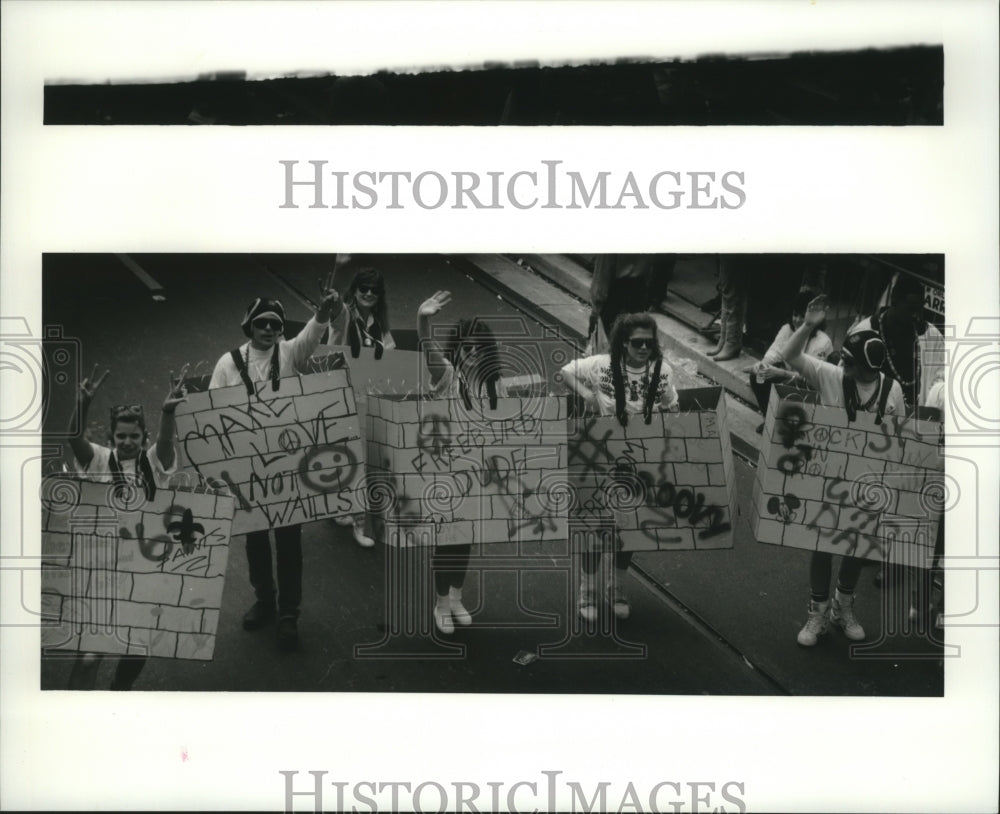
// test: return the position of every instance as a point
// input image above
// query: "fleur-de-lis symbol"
(185, 529)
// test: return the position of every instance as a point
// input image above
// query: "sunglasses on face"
(267, 324)
(367, 289)
(637, 344)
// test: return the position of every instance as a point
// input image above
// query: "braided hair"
(621, 330)
(486, 371)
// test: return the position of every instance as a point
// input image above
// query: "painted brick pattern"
(474, 475)
(667, 485)
(117, 579)
(288, 457)
(854, 488)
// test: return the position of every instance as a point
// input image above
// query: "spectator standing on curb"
(733, 292)
(625, 284)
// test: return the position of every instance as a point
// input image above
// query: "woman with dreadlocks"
(465, 366)
(631, 380)
(126, 461)
(858, 386)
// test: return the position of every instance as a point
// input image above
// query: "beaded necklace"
(633, 386)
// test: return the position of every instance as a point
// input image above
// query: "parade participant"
(630, 380)
(914, 350)
(466, 366)
(772, 369)
(914, 347)
(127, 461)
(267, 357)
(857, 386)
(363, 321)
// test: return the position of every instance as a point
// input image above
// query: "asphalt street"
(705, 622)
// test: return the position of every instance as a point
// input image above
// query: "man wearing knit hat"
(859, 387)
(267, 357)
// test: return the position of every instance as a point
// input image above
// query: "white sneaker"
(816, 625)
(459, 614)
(442, 621)
(362, 539)
(586, 603)
(842, 615)
(619, 602)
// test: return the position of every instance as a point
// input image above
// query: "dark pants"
(288, 544)
(450, 565)
(821, 568)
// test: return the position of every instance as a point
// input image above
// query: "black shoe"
(288, 633)
(259, 615)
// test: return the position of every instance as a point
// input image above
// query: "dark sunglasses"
(642, 343)
(367, 289)
(268, 324)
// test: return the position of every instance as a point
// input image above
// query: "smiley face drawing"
(328, 467)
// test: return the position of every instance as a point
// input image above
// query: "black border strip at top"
(888, 87)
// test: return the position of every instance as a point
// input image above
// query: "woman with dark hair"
(466, 366)
(772, 369)
(631, 380)
(364, 319)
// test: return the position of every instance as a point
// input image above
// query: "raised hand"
(90, 386)
(432, 305)
(329, 297)
(816, 310)
(177, 392)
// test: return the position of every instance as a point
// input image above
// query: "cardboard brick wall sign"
(477, 475)
(291, 456)
(124, 575)
(396, 373)
(667, 485)
(854, 488)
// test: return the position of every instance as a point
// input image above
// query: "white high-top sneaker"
(816, 625)
(842, 615)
